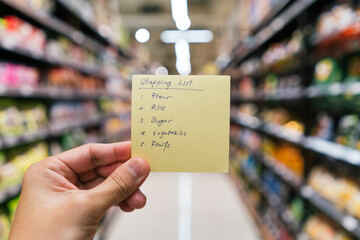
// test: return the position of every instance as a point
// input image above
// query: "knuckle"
(47, 163)
(121, 184)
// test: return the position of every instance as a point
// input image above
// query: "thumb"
(123, 182)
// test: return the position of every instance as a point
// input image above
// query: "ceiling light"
(191, 36)
(179, 10)
(183, 24)
(161, 71)
(142, 35)
(182, 52)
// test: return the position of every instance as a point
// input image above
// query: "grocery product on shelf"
(341, 191)
(337, 30)
(53, 72)
(18, 33)
(317, 227)
(339, 17)
(63, 50)
(311, 145)
(21, 118)
(324, 127)
(286, 155)
(15, 76)
(297, 209)
(348, 131)
(112, 125)
(63, 113)
(246, 88)
(327, 71)
(252, 67)
(281, 57)
(114, 106)
(270, 85)
(102, 16)
(73, 139)
(277, 228)
(353, 70)
(19, 159)
(63, 78)
(284, 118)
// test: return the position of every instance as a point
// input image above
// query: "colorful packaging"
(327, 71)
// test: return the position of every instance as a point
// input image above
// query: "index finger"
(90, 156)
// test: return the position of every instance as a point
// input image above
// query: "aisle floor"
(186, 206)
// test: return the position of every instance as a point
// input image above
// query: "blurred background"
(65, 80)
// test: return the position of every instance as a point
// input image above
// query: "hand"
(65, 196)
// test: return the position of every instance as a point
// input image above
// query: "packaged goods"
(64, 113)
(317, 227)
(17, 118)
(18, 33)
(341, 191)
(18, 76)
(63, 78)
(327, 71)
(353, 70)
(348, 131)
(325, 127)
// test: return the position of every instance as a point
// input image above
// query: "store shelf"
(90, 27)
(279, 209)
(14, 191)
(264, 230)
(275, 203)
(279, 6)
(275, 26)
(271, 129)
(311, 92)
(335, 89)
(53, 24)
(279, 95)
(283, 173)
(329, 149)
(348, 222)
(52, 131)
(49, 93)
(333, 150)
(30, 56)
(125, 132)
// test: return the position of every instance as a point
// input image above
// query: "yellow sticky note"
(181, 123)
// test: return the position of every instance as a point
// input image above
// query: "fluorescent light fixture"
(182, 49)
(182, 52)
(191, 36)
(142, 35)
(183, 67)
(179, 10)
(183, 24)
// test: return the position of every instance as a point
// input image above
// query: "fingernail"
(136, 167)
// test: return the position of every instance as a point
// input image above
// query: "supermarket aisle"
(186, 206)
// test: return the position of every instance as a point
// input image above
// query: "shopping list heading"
(181, 123)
